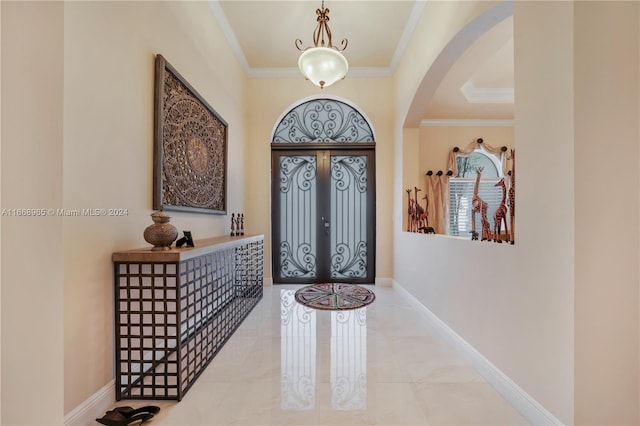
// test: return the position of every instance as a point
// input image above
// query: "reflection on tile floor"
(378, 365)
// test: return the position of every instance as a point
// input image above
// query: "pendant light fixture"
(323, 64)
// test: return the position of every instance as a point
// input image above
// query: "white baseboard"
(93, 407)
(267, 281)
(526, 405)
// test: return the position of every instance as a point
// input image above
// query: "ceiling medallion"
(323, 64)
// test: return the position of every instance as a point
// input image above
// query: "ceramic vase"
(161, 234)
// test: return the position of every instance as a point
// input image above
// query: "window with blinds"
(460, 198)
(461, 192)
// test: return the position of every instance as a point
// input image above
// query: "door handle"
(326, 226)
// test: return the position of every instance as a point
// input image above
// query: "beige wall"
(432, 148)
(577, 87)
(607, 135)
(108, 150)
(514, 303)
(32, 272)
(544, 137)
(271, 98)
(97, 154)
(0, 222)
(436, 143)
(410, 165)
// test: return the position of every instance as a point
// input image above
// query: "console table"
(175, 309)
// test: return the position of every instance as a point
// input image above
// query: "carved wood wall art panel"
(190, 147)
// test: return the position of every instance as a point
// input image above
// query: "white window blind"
(460, 207)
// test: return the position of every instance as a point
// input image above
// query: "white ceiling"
(263, 33)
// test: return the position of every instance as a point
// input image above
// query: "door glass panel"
(297, 198)
(348, 217)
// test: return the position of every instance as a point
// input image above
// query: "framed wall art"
(190, 147)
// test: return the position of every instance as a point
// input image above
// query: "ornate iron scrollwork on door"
(298, 212)
(348, 213)
(323, 120)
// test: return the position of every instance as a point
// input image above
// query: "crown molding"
(229, 34)
(498, 95)
(465, 123)
(416, 13)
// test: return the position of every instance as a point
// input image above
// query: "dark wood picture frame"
(190, 147)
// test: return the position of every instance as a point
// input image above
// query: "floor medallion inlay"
(334, 296)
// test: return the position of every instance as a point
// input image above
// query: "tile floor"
(380, 365)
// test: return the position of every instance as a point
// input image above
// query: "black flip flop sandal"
(130, 411)
(115, 418)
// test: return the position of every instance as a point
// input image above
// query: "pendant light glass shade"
(323, 66)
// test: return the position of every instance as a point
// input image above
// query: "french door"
(323, 204)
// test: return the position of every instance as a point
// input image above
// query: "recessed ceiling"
(480, 84)
(263, 33)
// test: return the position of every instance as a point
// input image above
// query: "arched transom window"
(323, 121)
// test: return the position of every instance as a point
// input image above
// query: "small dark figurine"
(233, 222)
(238, 224)
(187, 239)
(242, 224)
(427, 230)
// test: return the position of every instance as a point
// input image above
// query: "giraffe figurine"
(512, 199)
(500, 215)
(486, 229)
(425, 216)
(409, 211)
(418, 211)
(478, 205)
(424, 219)
(233, 222)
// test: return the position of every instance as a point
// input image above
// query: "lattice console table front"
(175, 309)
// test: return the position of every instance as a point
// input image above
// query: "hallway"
(380, 365)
